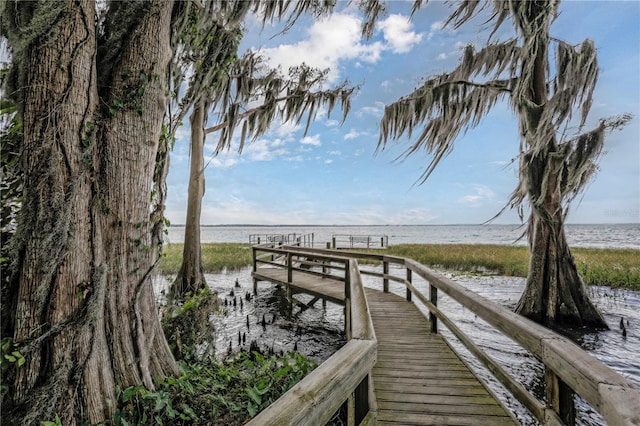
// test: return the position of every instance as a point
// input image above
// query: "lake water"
(609, 235)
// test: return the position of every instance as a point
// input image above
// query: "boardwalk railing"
(346, 376)
(305, 240)
(346, 241)
(568, 368)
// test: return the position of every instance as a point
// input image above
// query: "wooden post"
(385, 280)
(409, 281)
(347, 299)
(433, 297)
(333, 240)
(560, 397)
(382, 242)
(361, 400)
(254, 252)
(289, 268)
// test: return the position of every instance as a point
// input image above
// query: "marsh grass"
(216, 257)
(618, 268)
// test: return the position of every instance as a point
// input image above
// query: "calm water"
(616, 235)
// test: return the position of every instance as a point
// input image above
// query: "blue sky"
(334, 175)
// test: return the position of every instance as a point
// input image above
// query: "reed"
(618, 268)
(216, 257)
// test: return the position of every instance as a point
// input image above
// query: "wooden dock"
(396, 369)
(417, 379)
(302, 282)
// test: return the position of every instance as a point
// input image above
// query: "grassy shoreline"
(617, 268)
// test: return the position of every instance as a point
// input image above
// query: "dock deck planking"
(418, 379)
(302, 282)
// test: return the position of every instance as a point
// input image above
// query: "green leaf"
(255, 395)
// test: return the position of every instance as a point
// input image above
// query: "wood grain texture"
(418, 380)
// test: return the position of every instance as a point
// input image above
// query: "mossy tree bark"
(86, 319)
(554, 295)
(190, 277)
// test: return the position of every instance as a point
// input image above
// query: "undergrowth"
(228, 392)
(210, 391)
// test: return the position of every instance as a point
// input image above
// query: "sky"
(335, 175)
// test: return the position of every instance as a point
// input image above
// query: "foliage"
(10, 175)
(217, 393)
(187, 327)
(10, 359)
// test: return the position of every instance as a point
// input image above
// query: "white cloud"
(397, 31)
(435, 28)
(327, 42)
(286, 129)
(328, 161)
(352, 134)
(481, 194)
(311, 140)
(263, 150)
(378, 215)
(337, 153)
(376, 110)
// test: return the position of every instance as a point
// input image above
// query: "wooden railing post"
(409, 281)
(361, 400)
(254, 252)
(347, 299)
(289, 268)
(385, 280)
(333, 241)
(433, 298)
(560, 397)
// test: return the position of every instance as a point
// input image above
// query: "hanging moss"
(26, 24)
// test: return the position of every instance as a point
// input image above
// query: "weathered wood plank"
(417, 378)
(411, 419)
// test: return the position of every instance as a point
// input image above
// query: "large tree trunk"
(86, 318)
(554, 295)
(190, 277)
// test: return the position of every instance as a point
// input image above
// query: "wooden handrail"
(615, 397)
(346, 375)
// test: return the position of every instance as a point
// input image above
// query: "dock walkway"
(417, 379)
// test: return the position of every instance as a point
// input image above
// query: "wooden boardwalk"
(302, 282)
(418, 379)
